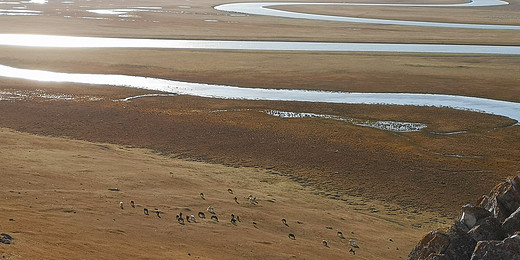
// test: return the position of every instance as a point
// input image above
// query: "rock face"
(491, 250)
(439, 257)
(6, 239)
(461, 243)
(471, 215)
(433, 244)
(504, 199)
(487, 229)
(512, 223)
(482, 231)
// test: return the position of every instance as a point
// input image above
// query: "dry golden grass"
(56, 193)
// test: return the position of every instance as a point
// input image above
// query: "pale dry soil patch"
(56, 203)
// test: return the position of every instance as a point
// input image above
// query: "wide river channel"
(267, 9)
(497, 107)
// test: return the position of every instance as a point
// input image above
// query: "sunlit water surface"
(497, 107)
(266, 9)
(53, 41)
(504, 108)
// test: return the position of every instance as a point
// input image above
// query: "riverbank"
(338, 158)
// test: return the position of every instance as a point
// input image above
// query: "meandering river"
(497, 107)
(266, 8)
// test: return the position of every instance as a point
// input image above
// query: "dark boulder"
(455, 243)
(504, 199)
(471, 215)
(512, 224)
(432, 244)
(461, 243)
(438, 257)
(509, 249)
(487, 229)
(481, 232)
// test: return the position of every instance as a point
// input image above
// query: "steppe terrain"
(57, 204)
(63, 146)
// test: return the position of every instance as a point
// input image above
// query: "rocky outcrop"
(433, 244)
(490, 230)
(453, 243)
(439, 257)
(461, 243)
(492, 250)
(503, 200)
(471, 215)
(487, 229)
(512, 223)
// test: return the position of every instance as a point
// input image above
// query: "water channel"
(497, 107)
(266, 8)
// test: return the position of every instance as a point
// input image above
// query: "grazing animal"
(325, 243)
(214, 218)
(284, 221)
(340, 235)
(180, 215)
(202, 196)
(181, 221)
(158, 213)
(352, 251)
(201, 215)
(188, 219)
(292, 236)
(211, 209)
(236, 200)
(254, 224)
(252, 199)
(121, 205)
(192, 217)
(233, 220)
(238, 219)
(230, 191)
(146, 211)
(132, 204)
(353, 243)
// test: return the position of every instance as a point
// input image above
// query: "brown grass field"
(60, 156)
